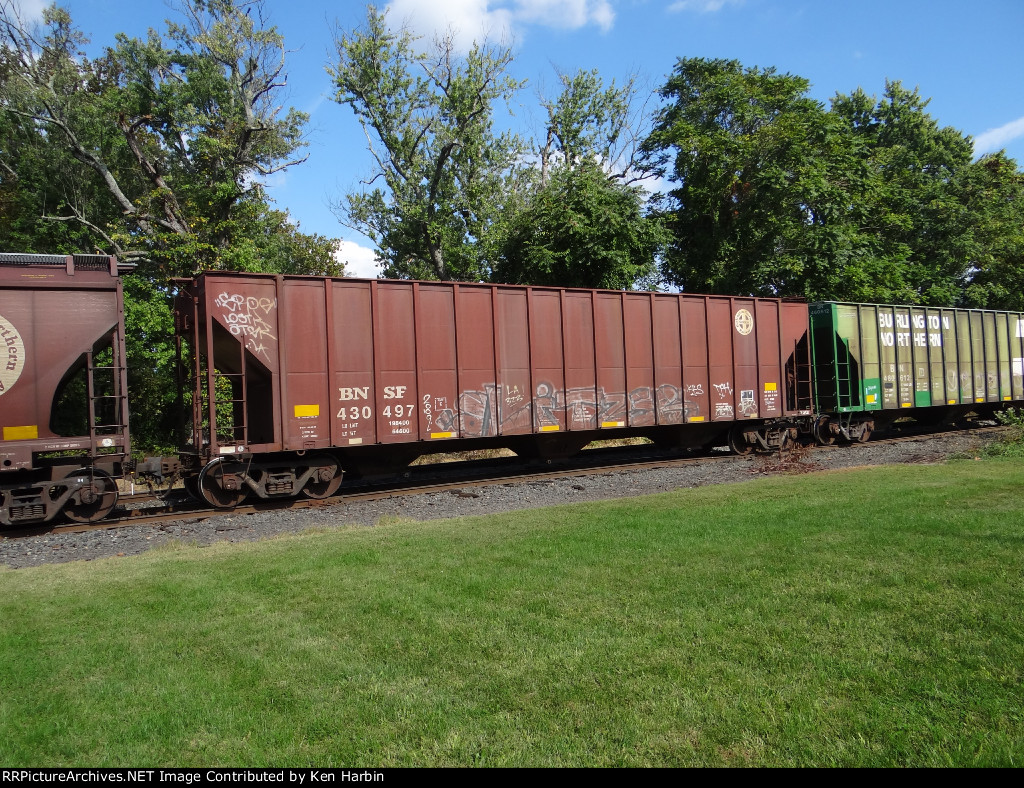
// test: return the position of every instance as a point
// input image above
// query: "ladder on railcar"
(221, 410)
(847, 383)
(107, 396)
(229, 406)
(799, 374)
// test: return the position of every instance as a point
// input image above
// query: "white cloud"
(496, 20)
(996, 139)
(31, 10)
(701, 6)
(360, 261)
(565, 13)
(468, 20)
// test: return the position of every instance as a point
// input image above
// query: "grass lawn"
(858, 618)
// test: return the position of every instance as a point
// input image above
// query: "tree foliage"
(993, 189)
(155, 151)
(580, 229)
(441, 169)
(588, 122)
(158, 146)
(868, 200)
(912, 215)
(753, 161)
(580, 220)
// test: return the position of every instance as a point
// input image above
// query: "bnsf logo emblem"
(12, 355)
(363, 392)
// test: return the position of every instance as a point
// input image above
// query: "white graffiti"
(586, 408)
(723, 390)
(246, 317)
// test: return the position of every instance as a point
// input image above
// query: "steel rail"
(193, 511)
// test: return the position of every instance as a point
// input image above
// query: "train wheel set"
(295, 382)
(225, 483)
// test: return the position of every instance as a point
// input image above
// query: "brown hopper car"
(298, 379)
(63, 400)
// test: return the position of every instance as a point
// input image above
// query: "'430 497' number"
(354, 413)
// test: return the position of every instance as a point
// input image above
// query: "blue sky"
(965, 56)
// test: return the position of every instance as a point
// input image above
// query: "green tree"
(39, 176)
(993, 189)
(751, 159)
(441, 170)
(589, 122)
(579, 220)
(914, 216)
(871, 200)
(580, 229)
(155, 151)
(169, 138)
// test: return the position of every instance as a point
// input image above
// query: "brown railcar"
(63, 402)
(295, 379)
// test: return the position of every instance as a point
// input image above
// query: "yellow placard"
(307, 411)
(951, 402)
(695, 418)
(906, 404)
(613, 424)
(442, 435)
(550, 428)
(29, 433)
(871, 399)
(771, 387)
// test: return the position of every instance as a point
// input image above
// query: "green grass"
(1013, 444)
(861, 618)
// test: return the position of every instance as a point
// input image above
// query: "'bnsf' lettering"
(394, 392)
(362, 392)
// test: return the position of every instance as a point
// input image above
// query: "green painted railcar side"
(868, 357)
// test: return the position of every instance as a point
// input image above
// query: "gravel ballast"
(59, 548)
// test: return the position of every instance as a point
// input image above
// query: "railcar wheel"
(823, 432)
(94, 501)
(317, 487)
(212, 480)
(865, 435)
(738, 443)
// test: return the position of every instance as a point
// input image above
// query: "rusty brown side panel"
(346, 362)
(55, 311)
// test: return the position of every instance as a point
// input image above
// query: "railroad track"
(479, 474)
